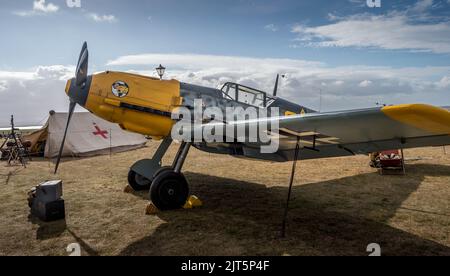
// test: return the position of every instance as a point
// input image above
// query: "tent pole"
(294, 166)
(110, 143)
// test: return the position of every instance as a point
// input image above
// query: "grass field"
(339, 206)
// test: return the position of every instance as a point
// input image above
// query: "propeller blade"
(82, 66)
(71, 110)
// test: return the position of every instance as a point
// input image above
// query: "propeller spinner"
(77, 90)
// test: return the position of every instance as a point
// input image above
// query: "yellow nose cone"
(68, 84)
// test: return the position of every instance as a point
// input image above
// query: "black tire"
(138, 182)
(169, 191)
(30, 202)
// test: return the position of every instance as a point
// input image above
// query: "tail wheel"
(138, 182)
(169, 191)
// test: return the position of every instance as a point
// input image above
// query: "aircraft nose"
(78, 94)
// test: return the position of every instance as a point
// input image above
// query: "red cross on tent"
(99, 132)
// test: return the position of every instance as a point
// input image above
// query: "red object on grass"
(391, 159)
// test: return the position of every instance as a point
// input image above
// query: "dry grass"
(339, 206)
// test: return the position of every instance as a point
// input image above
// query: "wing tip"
(426, 117)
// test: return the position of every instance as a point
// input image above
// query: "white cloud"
(3, 85)
(192, 61)
(271, 28)
(24, 13)
(103, 18)
(333, 17)
(422, 5)
(29, 95)
(8, 75)
(365, 83)
(445, 81)
(40, 7)
(55, 72)
(341, 86)
(392, 32)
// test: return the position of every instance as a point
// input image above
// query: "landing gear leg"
(143, 172)
(170, 189)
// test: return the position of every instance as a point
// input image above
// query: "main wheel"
(169, 191)
(138, 182)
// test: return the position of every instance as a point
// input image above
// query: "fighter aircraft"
(145, 105)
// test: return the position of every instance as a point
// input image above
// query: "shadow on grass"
(337, 217)
(51, 230)
(85, 246)
(48, 230)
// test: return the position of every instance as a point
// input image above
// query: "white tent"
(88, 136)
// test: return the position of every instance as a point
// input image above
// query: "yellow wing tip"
(426, 117)
(416, 107)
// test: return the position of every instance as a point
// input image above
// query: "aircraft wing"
(353, 132)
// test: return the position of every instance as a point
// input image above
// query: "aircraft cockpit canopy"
(246, 95)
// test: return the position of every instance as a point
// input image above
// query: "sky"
(336, 55)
